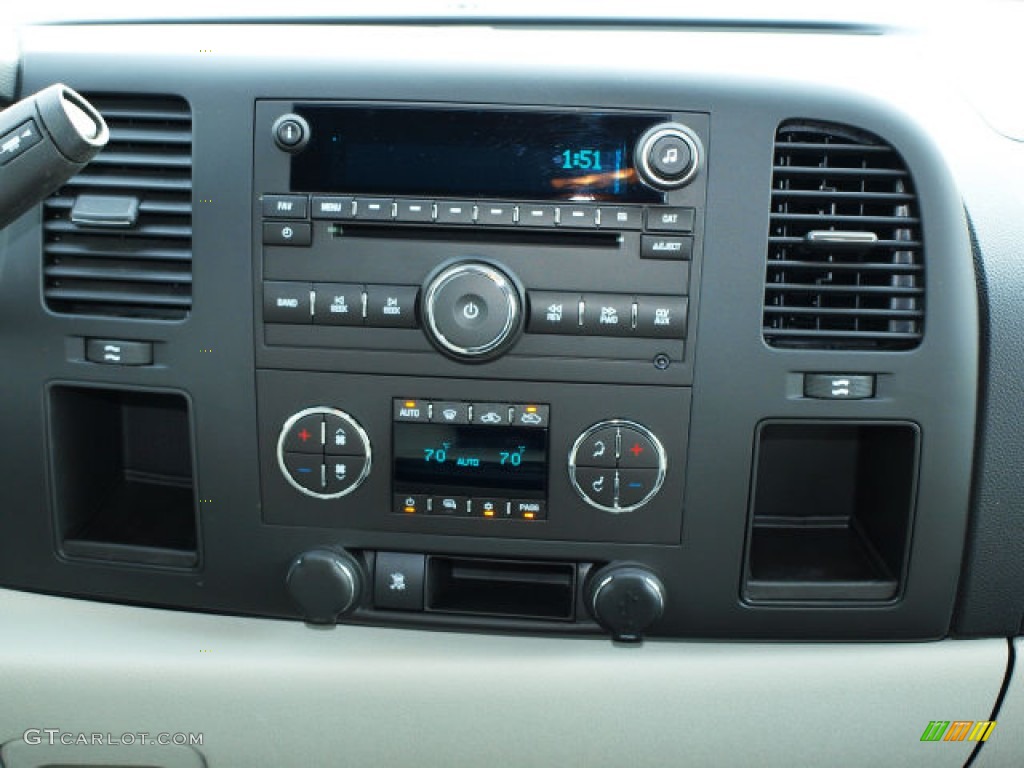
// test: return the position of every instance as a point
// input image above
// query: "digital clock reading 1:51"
(580, 159)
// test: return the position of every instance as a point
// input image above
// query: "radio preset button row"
(465, 506)
(378, 306)
(461, 212)
(486, 414)
(607, 314)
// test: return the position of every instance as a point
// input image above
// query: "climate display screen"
(471, 459)
(510, 154)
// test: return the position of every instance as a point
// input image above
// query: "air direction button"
(598, 449)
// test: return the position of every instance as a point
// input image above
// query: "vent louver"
(142, 265)
(845, 254)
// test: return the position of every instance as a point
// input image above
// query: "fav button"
(285, 206)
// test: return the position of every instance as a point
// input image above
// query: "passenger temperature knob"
(325, 584)
(625, 599)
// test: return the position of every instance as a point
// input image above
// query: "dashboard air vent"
(845, 255)
(118, 237)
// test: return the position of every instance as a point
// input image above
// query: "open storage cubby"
(122, 475)
(832, 510)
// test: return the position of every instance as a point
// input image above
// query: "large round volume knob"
(325, 584)
(668, 156)
(472, 310)
(625, 599)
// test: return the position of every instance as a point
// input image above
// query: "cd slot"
(462, 234)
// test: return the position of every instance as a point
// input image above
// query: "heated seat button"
(305, 435)
(341, 437)
(306, 470)
(636, 486)
(597, 485)
(287, 303)
(661, 317)
(554, 312)
(391, 306)
(398, 581)
(343, 473)
(636, 451)
(598, 449)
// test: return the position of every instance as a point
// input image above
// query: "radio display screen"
(470, 458)
(519, 155)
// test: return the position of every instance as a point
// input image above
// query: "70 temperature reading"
(515, 458)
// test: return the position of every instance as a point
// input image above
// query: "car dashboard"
(393, 388)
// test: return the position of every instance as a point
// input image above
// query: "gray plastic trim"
(267, 692)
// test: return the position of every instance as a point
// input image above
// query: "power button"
(291, 133)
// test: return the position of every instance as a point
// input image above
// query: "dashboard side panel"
(263, 691)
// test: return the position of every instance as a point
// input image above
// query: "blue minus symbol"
(305, 470)
(636, 485)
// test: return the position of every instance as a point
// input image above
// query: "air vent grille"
(845, 253)
(143, 268)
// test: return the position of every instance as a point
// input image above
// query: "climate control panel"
(617, 465)
(324, 453)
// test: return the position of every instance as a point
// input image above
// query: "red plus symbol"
(304, 435)
(636, 450)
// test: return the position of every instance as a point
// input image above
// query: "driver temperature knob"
(325, 584)
(472, 310)
(625, 599)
